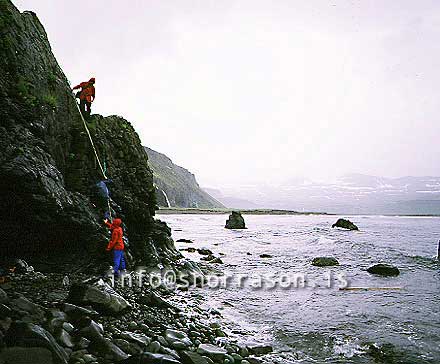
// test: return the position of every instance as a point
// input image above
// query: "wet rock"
(204, 251)
(5, 311)
(127, 347)
(24, 304)
(154, 299)
(25, 335)
(259, 349)
(324, 261)
(68, 327)
(170, 352)
(235, 221)
(265, 256)
(154, 346)
(140, 339)
(19, 355)
(107, 349)
(185, 241)
(150, 358)
(76, 312)
(190, 357)
(22, 266)
(177, 339)
(189, 250)
(90, 329)
(3, 296)
(100, 296)
(64, 339)
(345, 224)
(212, 351)
(385, 270)
(82, 343)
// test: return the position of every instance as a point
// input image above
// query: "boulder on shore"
(324, 261)
(385, 270)
(345, 224)
(235, 221)
(100, 296)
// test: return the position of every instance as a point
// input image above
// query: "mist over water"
(321, 324)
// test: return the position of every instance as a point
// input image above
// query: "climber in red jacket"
(117, 245)
(86, 96)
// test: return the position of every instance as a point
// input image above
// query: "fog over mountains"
(349, 194)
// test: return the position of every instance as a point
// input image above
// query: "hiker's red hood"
(116, 223)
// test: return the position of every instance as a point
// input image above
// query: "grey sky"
(251, 91)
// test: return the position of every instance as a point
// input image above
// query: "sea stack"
(235, 221)
(345, 224)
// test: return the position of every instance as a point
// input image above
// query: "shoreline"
(225, 211)
(197, 211)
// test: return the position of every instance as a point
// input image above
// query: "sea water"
(319, 322)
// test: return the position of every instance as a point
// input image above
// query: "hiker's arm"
(76, 87)
(107, 224)
(113, 240)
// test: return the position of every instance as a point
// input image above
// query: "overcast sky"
(252, 91)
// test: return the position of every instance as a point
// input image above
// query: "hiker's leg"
(116, 260)
(122, 266)
(88, 109)
(82, 107)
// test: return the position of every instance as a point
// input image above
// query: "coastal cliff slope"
(48, 168)
(176, 186)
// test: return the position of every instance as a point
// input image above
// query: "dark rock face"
(345, 224)
(235, 221)
(48, 168)
(384, 270)
(324, 261)
(24, 335)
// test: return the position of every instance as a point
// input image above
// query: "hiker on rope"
(103, 196)
(86, 96)
(116, 244)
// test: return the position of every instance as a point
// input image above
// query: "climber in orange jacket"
(86, 96)
(116, 244)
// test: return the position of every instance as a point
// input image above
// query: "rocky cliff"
(176, 186)
(48, 168)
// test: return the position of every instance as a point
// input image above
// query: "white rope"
(91, 141)
(96, 154)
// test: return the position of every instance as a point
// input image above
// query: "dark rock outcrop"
(324, 261)
(345, 224)
(235, 221)
(385, 270)
(100, 296)
(48, 168)
(22, 335)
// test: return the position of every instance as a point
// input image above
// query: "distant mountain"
(175, 185)
(229, 201)
(354, 193)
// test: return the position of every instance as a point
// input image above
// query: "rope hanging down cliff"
(91, 142)
(101, 166)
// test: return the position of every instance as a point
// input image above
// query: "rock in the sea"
(214, 352)
(265, 256)
(385, 270)
(345, 224)
(100, 296)
(324, 261)
(30, 336)
(235, 221)
(184, 241)
(259, 348)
